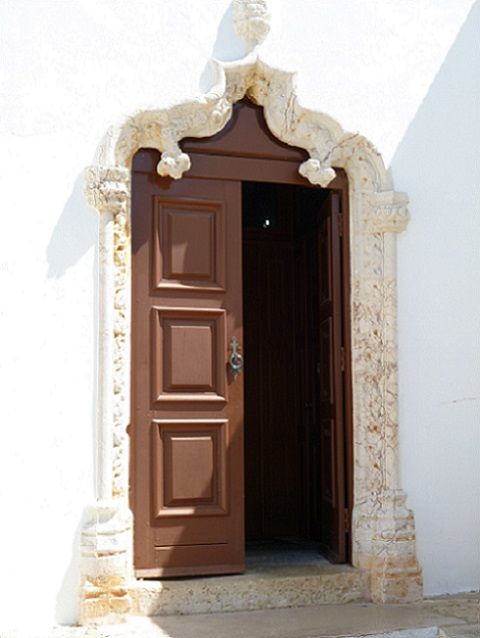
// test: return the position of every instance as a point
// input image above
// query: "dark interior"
(280, 283)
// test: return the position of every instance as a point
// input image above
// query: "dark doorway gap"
(280, 305)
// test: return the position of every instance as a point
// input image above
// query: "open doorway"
(187, 485)
(291, 428)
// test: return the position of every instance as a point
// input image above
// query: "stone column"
(106, 539)
(384, 537)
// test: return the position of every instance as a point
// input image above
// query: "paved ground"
(442, 617)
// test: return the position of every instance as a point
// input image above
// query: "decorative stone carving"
(390, 212)
(385, 541)
(313, 170)
(108, 189)
(162, 129)
(107, 538)
(251, 20)
(383, 529)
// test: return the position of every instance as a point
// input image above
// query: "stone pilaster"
(384, 536)
(106, 539)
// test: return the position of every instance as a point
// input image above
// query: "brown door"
(331, 518)
(187, 405)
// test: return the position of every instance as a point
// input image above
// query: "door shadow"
(68, 597)
(74, 234)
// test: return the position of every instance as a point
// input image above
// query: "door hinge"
(346, 520)
(342, 359)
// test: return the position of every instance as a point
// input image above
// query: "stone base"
(386, 530)
(106, 601)
(396, 581)
(106, 564)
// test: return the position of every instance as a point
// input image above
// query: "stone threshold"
(264, 587)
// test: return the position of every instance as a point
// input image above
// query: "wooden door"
(330, 439)
(187, 406)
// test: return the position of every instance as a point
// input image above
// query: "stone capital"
(388, 212)
(107, 188)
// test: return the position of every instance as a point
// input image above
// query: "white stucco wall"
(404, 73)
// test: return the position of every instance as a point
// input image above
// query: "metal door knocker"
(235, 361)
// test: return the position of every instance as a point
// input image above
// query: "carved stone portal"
(383, 529)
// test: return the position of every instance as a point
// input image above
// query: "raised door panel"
(190, 467)
(189, 348)
(188, 245)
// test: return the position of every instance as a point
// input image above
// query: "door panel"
(189, 472)
(331, 475)
(188, 348)
(189, 244)
(187, 409)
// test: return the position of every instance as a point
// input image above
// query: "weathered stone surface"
(282, 587)
(324, 621)
(465, 607)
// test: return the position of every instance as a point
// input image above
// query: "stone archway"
(383, 531)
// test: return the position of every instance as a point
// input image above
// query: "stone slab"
(460, 631)
(322, 621)
(308, 622)
(263, 588)
(465, 606)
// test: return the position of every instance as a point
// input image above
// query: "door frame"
(219, 159)
(383, 529)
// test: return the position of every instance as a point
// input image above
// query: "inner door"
(187, 403)
(295, 399)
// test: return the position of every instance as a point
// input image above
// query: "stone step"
(265, 587)
(354, 620)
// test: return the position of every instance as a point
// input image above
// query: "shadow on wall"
(438, 163)
(68, 597)
(74, 233)
(228, 46)
(441, 145)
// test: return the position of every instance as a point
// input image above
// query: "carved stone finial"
(251, 19)
(173, 164)
(316, 172)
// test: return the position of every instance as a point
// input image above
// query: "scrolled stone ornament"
(316, 172)
(173, 164)
(251, 19)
